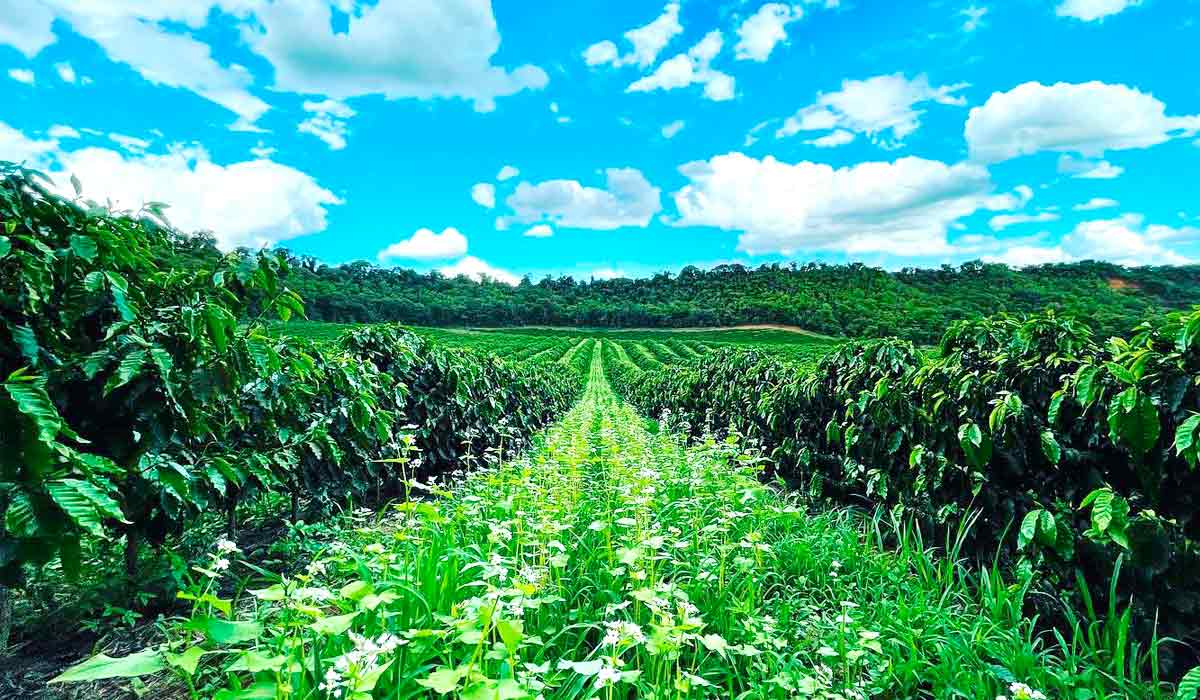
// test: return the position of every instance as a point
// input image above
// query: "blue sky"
(601, 138)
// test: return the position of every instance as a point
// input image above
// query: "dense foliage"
(612, 562)
(1076, 455)
(133, 399)
(844, 300)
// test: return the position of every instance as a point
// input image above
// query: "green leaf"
(188, 660)
(26, 340)
(5, 246)
(20, 519)
(84, 247)
(75, 185)
(1133, 421)
(101, 666)
(1189, 685)
(225, 632)
(1028, 528)
(1087, 387)
(254, 661)
(334, 625)
(261, 690)
(512, 632)
(1051, 448)
(444, 680)
(34, 403)
(1186, 444)
(976, 445)
(76, 501)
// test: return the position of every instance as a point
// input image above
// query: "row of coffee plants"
(1078, 457)
(136, 395)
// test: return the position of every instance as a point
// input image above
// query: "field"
(204, 498)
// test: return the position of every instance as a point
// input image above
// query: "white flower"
(607, 676)
(226, 546)
(220, 564)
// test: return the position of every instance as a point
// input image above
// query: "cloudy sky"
(599, 138)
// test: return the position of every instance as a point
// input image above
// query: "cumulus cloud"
(1087, 118)
(884, 108)
(22, 75)
(693, 67)
(1085, 169)
(251, 203)
(1092, 10)
(629, 200)
(670, 130)
(476, 269)
(508, 172)
(262, 150)
(762, 31)
(1096, 203)
(1029, 255)
(147, 38)
(646, 42)
(1128, 240)
(328, 122)
(1003, 221)
(539, 231)
(62, 131)
(427, 245)
(132, 144)
(484, 194)
(1125, 240)
(904, 208)
(421, 49)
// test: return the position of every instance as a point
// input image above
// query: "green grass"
(616, 561)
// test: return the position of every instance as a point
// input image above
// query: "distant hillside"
(849, 300)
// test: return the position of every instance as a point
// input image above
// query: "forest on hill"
(848, 300)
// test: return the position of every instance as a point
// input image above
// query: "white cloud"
(19, 148)
(1128, 241)
(328, 122)
(484, 194)
(539, 231)
(1125, 240)
(607, 273)
(26, 26)
(508, 172)
(690, 68)
(629, 200)
(763, 30)
(427, 245)
(272, 202)
(1088, 119)
(838, 137)
(1091, 10)
(421, 49)
(647, 42)
(130, 143)
(600, 53)
(22, 75)
(262, 150)
(876, 106)
(670, 130)
(1085, 169)
(903, 208)
(154, 39)
(974, 17)
(1003, 221)
(474, 268)
(65, 72)
(1029, 255)
(1096, 203)
(62, 131)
